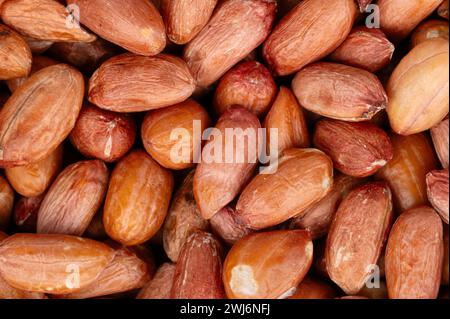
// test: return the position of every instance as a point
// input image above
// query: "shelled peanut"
(224, 149)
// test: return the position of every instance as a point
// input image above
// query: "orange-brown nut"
(15, 55)
(39, 62)
(357, 149)
(399, 17)
(9, 292)
(437, 189)
(365, 48)
(25, 213)
(311, 288)
(32, 180)
(182, 220)
(73, 199)
(418, 88)
(414, 255)
(360, 95)
(134, 83)
(430, 29)
(235, 29)
(127, 271)
(135, 25)
(103, 134)
(137, 200)
(227, 166)
(249, 84)
(287, 117)
(198, 273)
(310, 31)
(53, 264)
(160, 285)
(172, 135)
(440, 136)
(303, 177)
(445, 267)
(6, 202)
(40, 115)
(44, 20)
(357, 235)
(185, 19)
(267, 265)
(227, 226)
(317, 218)
(405, 173)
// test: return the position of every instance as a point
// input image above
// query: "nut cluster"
(201, 149)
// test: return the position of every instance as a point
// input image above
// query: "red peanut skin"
(160, 285)
(365, 48)
(217, 183)
(414, 255)
(26, 212)
(73, 199)
(227, 226)
(135, 25)
(103, 134)
(358, 234)
(357, 149)
(309, 32)
(198, 274)
(437, 190)
(236, 29)
(249, 84)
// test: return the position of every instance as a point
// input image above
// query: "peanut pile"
(209, 149)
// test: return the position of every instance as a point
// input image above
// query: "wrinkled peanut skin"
(25, 213)
(198, 273)
(405, 173)
(32, 180)
(124, 273)
(135, 25)
(218, 180)
(73, 199)
(185, 19)
(357, 235)
(223, 42)
(134, 83)
(414, 255)
(303, 177)
(160, 285)
(440, 136)
(310, 31)
(257, 268)
(227, 226)
(137, 200)
(15, 55)
(6, 202)
(43, 20)
(249, 84)
(57, 90)
(317, 218)
(339, 91)
(182, 220)
(357, 149)
(437, 190)
(103, 134)
(43, 263)
(365, 48)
